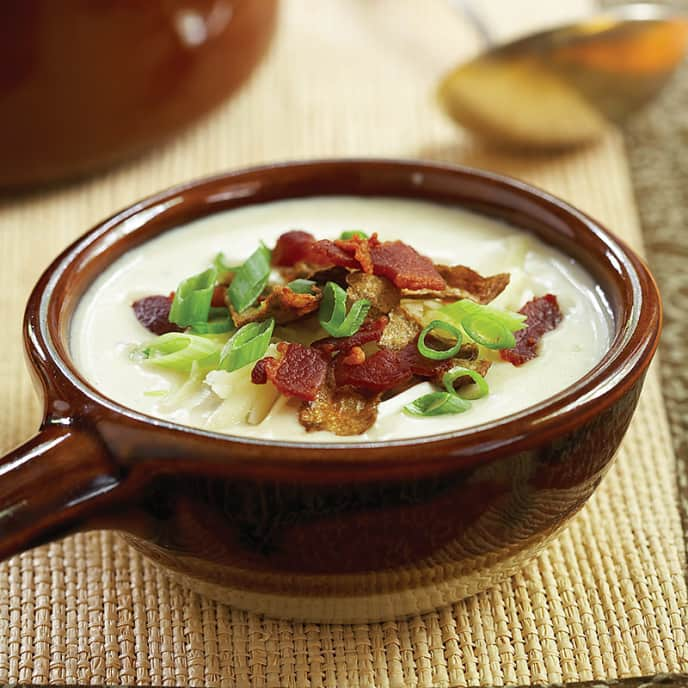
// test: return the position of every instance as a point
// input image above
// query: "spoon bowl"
(563, 87)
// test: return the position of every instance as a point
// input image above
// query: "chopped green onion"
(333, 316)
(437, 404)
(219, 322)
(250, 279)
(434, 354)
(351, 234)
(301, 286)
(455, 373)
(490, 327)
(222, 266)
(458, 310)
(191, 303)
(248, 344)
(180, 351)
(486, 330)
(218, 312)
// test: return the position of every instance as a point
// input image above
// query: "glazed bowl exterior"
(325, 532)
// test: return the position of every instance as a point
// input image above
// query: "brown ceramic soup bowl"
(325, 532)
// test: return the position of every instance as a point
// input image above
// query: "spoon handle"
(467, 9)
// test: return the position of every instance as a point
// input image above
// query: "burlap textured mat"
(607, 598)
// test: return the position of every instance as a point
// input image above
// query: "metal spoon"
(563, 87)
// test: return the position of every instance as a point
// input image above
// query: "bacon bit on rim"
(299, 373)
(407, 268)
(153, 312)
(370, 331)
(292, 247)
(543, 314)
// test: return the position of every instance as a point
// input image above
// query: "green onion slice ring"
(459, 371)
(434, 354)
(488, 331)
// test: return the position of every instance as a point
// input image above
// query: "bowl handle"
(51, 484)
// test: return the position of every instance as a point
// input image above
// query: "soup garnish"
(341, 325)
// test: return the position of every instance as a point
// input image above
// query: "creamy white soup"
(105, 330)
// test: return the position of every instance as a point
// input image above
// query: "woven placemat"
(607, 598)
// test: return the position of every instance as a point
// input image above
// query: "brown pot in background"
(84, 84)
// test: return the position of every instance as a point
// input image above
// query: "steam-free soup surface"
(105, 330)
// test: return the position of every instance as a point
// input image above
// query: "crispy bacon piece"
(360, 249)
(387, 369)
(381, 293)
(430, 369)
(282, 304)
(340, 410)
(473, 284)
(400, 331)
(370, 331)
(467, 357)
(292, 247)
(397, 261)
(543, 314)
(153, 313)
(463, 283)
(300, 372)
(354, 356)
(426, 368)
(407, 268)
(384, 370)
(434, 370)
(326, 252)
(336, 274)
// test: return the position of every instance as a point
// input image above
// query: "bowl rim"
(616, 373)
